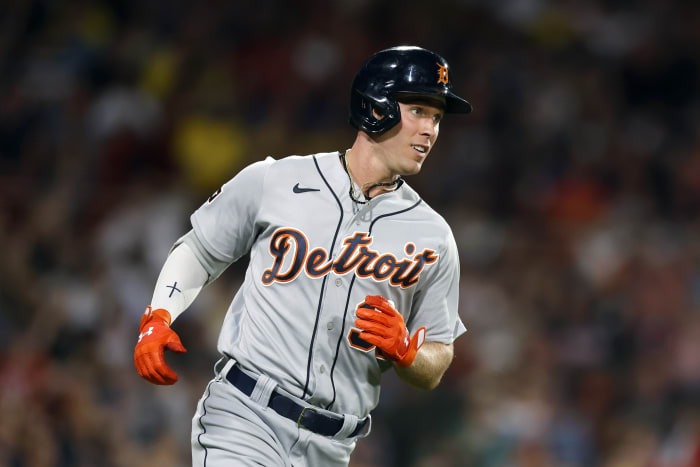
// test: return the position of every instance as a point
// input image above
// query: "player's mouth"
(421, 149)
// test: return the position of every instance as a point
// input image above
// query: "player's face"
(404, 148)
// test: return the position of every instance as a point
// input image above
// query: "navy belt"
(305, 417)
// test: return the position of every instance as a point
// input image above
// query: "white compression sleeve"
(179, 282)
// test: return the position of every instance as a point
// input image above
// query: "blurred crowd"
(573, 191)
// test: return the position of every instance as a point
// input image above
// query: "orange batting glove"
(149, 355)
(384, 327)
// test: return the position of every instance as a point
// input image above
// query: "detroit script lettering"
(356, 255)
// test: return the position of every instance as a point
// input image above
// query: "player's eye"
(417, 110)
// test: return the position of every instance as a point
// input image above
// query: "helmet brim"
(457, 105)
(453, 104)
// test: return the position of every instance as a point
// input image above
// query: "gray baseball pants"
(230, 429)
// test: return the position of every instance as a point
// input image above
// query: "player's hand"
(384, 327)
(155, 336)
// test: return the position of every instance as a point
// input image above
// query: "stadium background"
(573, 191)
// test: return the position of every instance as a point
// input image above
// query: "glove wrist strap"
(150, 314)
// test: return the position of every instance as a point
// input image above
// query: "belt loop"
(263, 390)
(366, 428)
(222, 366)
(349, 425)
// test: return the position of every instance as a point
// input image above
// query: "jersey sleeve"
(435, 304)
(225, 223)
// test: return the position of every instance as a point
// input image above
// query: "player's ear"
(377, 113)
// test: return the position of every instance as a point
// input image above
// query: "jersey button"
(338, 282)
(322, 369)
(330, 326)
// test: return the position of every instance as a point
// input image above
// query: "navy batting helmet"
(394, 73)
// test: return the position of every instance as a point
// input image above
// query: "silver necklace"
(353, 195)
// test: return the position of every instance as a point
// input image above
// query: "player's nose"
(429, 130)
(428, 127)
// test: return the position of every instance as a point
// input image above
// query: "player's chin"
(413, 167)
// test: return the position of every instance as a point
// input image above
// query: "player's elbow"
(426, 382)
(428, 385)
(430, 365)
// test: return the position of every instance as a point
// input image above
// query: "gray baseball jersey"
(314, 256)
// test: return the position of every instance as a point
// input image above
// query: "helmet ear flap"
(365, 107)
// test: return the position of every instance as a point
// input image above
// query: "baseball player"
(350, 274)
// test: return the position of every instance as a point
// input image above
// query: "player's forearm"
(432, 360)
(180, 281)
